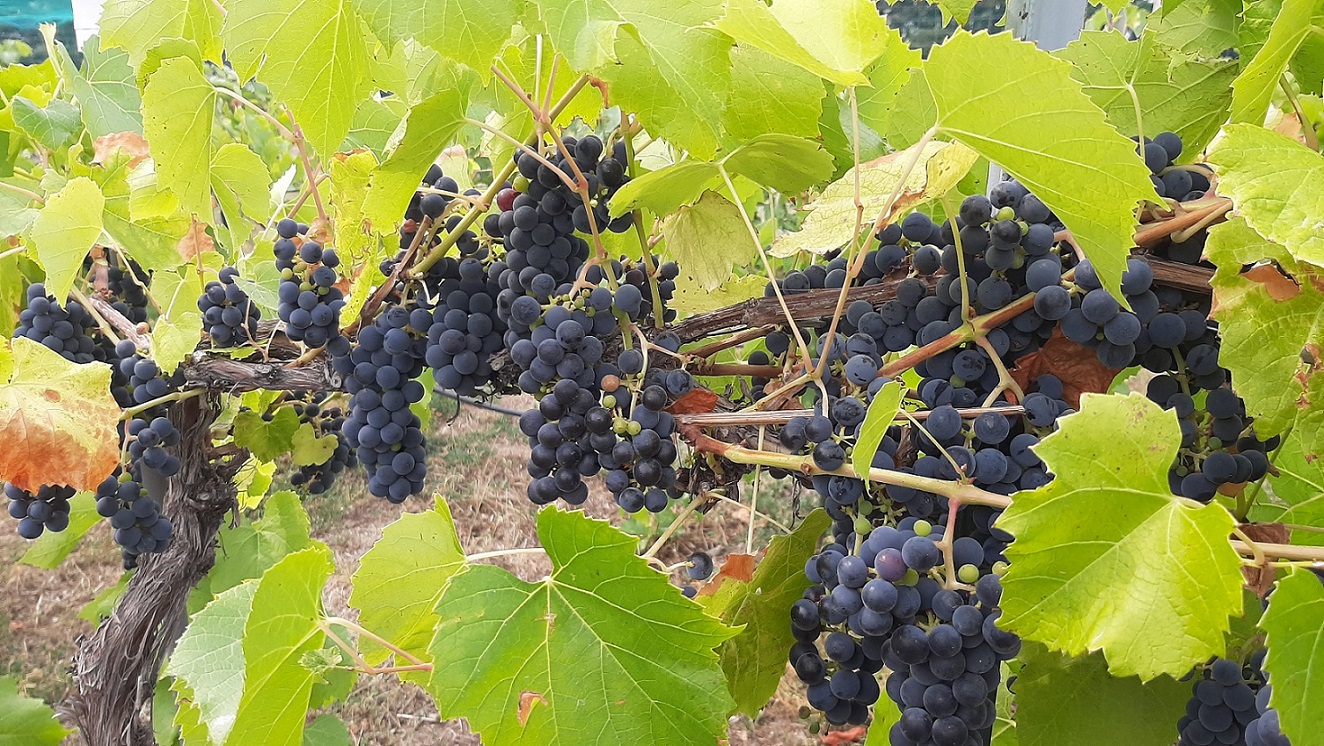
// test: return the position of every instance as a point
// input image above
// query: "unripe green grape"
(923, 528)
(968, 574)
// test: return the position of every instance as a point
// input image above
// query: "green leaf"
(152, 242)
(104, 602)
(1297, 495)
(1266, 330)
(1107, 558)
(309, 448)
(354, 238)
(1274, 181)
(14, 78)
(1061, 700)
(887, 75)
(139, 25)
(882, 411)
(247, 550)
(1004, 727)
(1059, 144)
(16, 215)
(665, 189)
(1130, 79)
(50, 549)
(709, 239)
(175, 337)
(208, 665)
(400, 580)
(691, 297)
(469, 31)
(177, 117)
(673, 66)
(313, 56)
(1253, 89)
(1203, 28)
(885, 715)
(939, 166)
(327, 730)
(429, 128)
(54, 125)
(374, 121)
(835, 41)
(266, 440)
(1294, 624)
(604, 650)
(755, 659)
(784, 162)
(105, 88)
(25, 721)
(242, 186)
(65, 230)
(770, 95)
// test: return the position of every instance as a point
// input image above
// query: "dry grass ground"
(477, 462)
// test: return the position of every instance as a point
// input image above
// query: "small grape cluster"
(151, 432)
(432, 200)
(1230, 705)
(47, 510)
(134, 515)
(327, 419)
(66, 330)
(1218, 446)
(637, 449)
(1091, 317)
(1172, 181)
(379, 373)
(310, 303)
(561, 431)
(228, 313)
(130, 295)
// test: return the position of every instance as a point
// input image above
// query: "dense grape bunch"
(134, 515)
(64, 329)
(47, 510)
(465, 329)
(380, 374)
(227, 312)
(310, 303)
(1230, 705)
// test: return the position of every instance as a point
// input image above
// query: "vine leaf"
(327, 730)
(1277, 185)
(308, 448)
(469, 31)
(53, 124)
(672, 66)
(350, 173)
(882, 410)
(768, 94)
(137, 26)
(27, 721)
(65, 230)
(886, 713)
(50, 549)
(784, 162)
(242, 187)
(1074, 700)
(400, 580)
(835, 41)
(1264, 339)
(177, 118)
(152, 242)
(1004, 727)
(57, 419)
(248, 550)
(238, 666)
(832, 221)
(313, 56)
(208, 666)
(429, 127)
(1107, 558)
(1183, 95)
(106, 88)
(604, 650)
(708, 239)
(755, 659)
(1254, 87)
(267, 440)
(1294, 627)
(1203, 28)
(1056, 145)
(1298, 493)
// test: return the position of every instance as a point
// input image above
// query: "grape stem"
(1005, 381)
(689, 509)
(782, 416)
(950, 581)
(23, 192)
(1307, 129)
(86, 302)
(739, 338)
(174, 396)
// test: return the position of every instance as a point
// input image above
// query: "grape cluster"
(875, 605)
(130, 294)
(465, 328)
(561, 453)
(66, 330)
(1230, 705)
(636, 447)
(151, 432)
(310, 302)
(380, 373)
(1092, 317)
(1218, 445)
(230, 317)
(1181, 183)
(327, 419)
(47, 510)
(134, 515)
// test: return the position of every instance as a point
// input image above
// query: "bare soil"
(477, 463)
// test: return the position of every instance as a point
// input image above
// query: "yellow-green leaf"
(65, 230)
(177, 117)
(835, 41)
(708, 238)
(1253, 89)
